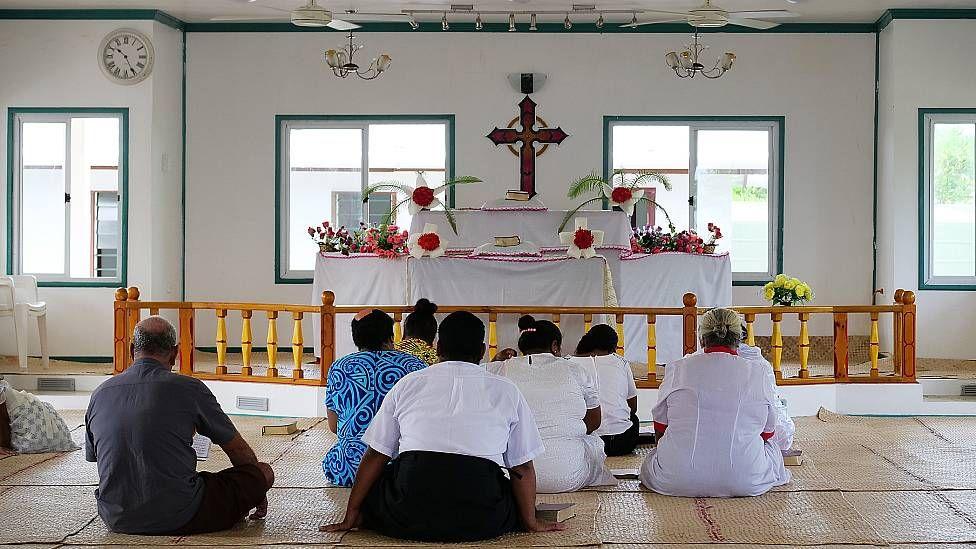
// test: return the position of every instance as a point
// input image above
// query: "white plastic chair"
(18, 299)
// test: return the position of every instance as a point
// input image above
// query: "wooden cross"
(528, 135)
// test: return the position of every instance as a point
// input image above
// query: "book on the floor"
(793, 457)
(625, 473)
(645, 433)
(519, 196)
(201, 445)
(554, 512)
(280, 428)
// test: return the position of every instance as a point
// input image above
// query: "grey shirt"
(139, 428)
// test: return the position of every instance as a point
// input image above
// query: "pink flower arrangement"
(655, 240)
(716, 233)
(383, 240)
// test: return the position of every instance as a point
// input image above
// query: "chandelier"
(687, 65)
(342, 64)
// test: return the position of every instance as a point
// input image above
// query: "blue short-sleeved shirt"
(139, 428)
(357, 384)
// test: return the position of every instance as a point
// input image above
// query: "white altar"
(639, 280)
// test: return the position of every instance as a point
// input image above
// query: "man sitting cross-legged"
(140, 426)
(450, 428)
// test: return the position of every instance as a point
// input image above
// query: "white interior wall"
(238, 82)
(54, 64)
(924, 64)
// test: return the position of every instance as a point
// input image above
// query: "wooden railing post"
(132, 317)
(120, 350)
(186, 341)
(397, 327)
(689, 316)
(272, 344)
(874, 345)
(750, 329)
(297, 345)
(555, 319)
(651, 348)
(587, 322)
(326, 335)
(896, 344)
(492, 335)
(840, 347)
(908, 337)
(246, 343)
(804, 345)
(777, 344)
(221, 341)
(619, 327)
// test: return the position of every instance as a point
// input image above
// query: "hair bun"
(425, 307)
(525, 322)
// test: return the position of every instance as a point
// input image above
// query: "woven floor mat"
(73, 418)
(806, 477)
(187, 543)
(68, 469)
(630, 461)
(919, 517)
(12, 465)
(794, 518)
(580, 529)
(44, 514)
(861, 468)
(301, 466)
(960, 431)
(293, 518)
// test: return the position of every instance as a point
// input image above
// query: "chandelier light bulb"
(567, 24)
(332, 58)
(383, 62)
(533, 26)
(727, 60)
(511, 22)
(478, 24)
(444, 24)
(672, 60)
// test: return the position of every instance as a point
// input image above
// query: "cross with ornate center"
(528, 135)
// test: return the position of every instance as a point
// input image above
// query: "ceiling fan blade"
(665, 12)
(340, 25)
(264, 6)
(763, 13)
(655, 22)
(752, 23)
(247, 18)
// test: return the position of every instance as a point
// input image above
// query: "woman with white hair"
(714, 418)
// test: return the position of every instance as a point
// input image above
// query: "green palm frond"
(659, 177)
(660, 207)
(388, 218)
(464, 180)
(449, 215)
(585, 185)
(388, 185)
(571, 213)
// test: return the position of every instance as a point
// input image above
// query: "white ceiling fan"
(709, 15)
(308, 15)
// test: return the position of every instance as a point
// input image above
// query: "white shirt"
(456, 408)
(715, 406)
(785, 428)
(615, 382)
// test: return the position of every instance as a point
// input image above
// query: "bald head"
(155, 337)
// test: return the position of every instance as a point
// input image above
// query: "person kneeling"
(140, 426)
(714, 417)
(450, 430)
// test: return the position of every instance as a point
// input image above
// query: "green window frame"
(927, 119)
(15, 118)
(284, 122)
(777, 128)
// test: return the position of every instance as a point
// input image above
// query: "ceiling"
(203, 10)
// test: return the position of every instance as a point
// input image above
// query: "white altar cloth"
(475, 227)
(660, 280)
(555, 280)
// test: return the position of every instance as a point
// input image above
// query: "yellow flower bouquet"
(787, 291)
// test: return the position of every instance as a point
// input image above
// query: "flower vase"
(323, 248)
(709, 248)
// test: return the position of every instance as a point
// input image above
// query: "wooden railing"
(128, 310)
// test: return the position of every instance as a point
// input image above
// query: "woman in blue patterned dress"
(357, 384)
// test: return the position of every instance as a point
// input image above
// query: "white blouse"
(615, 382)
(456, 408)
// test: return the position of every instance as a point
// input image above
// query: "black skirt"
(433, 496)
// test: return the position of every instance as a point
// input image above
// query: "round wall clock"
(126, 56)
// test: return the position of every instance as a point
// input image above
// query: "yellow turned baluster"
(153, 311)
(555, 320)
(246, 343)
(297, 346)
(777, 345)
(875, 344)
(651, 348)
(751, 330)
(492, 335)
(804, 345)
(397, 327)
(272, 344)
(221, 341)
(620, 334)
(587, 322)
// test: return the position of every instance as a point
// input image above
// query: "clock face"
(126, 56)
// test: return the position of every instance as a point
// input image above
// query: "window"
(325, 162)
(948, 208)
(723, 170)
(66, 195)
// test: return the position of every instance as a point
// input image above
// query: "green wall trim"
(95, 15)
(123, 113)
(923, 13)
(923, 214)
(781, 177)
(874, 181)
(183, 172)
(279, 118)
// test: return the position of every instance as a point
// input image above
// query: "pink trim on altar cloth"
(640, 255)
(515, 209)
